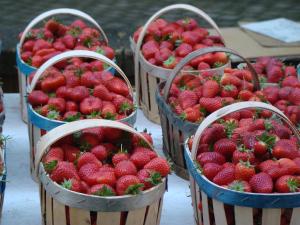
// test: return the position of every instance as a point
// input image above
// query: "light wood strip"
(205, 209)
(144, 88)
(152, 214)
(295, 220)
(219, 212)
(198, 200)
(243, 215)
(59, 213)
(48, 210)
(152, 89)
(271, 216)
(160, 210)
(136, 217)
(108, 218)
(79, 217)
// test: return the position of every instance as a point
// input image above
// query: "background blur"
(120, 18)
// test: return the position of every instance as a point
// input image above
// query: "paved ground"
(120, 18)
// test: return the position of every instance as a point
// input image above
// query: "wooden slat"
(79, 217)
(48, 210)
(136, 217)
(59, 213)
(193, 196)
(295, 220)
(243, 215)
(152, 214)
(219, 212)
(152, 90)
(42, 199)
(144, 88)
(205, 209)
(159, 211)
(108, 218)
(198, 200)
(179, 158)
(271, 216)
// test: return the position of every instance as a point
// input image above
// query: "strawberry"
(100, 152)
(58, 104)
(243, 154)
(159, 165)
(102, 190)
(294, 96)
(72, 184)
(286, 184)
(284, 92)
(137, 141)
(120, 156)
(229, 91)
(245, 95)
(71, 153)
(162, 55)
(123, 105)
(36, 98)
(140, 159)
(108, 110)
(261, 183)
(87, 158)
(105, 177)
(170, 63)
(129, 184)
(290, 71)
(210, 170)
(87, 173)
(147, 151)
(187, 99)
(225, 146)
(78, 93)
(290, 81)
(90, 105)
(260, 148)
(210, 89)
(230, 79)
(149, 49)
(125, 167)
(71, 106)
(149, 178)
(285, 148)
(210, 157)
(244, 171)
(212, 134)
(183, 50)
(54, 154)
(191, 114)
(225, 176)
(100, 91)
(52, 81)
(64, 171)
(211, 104)
(268, 164)
(118, 86)
(89, 79)
(274, 74)
(240, 185)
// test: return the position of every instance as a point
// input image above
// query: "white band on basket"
(69, 128)
(203, 51)
(76, 53)
(142, 34)
(233, 108)
(53, 12)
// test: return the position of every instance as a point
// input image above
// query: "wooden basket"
(24, 70)
(38, 125)
(148, 76)
(3, 175)
(245, 205)
(60, 206)
(174, 129)
(2, 114)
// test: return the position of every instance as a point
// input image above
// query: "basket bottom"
(153, 117)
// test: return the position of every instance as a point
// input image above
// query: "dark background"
(119, 19)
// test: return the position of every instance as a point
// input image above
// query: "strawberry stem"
(134, 189)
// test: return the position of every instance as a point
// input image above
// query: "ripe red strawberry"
(90, 105)
(260, 148)
(102, 190)
(183, 50)
(54, 154)
(108, 110)
(210, 89)
(212, 134)
(100, 152)
(140, 159)
(129, 184)
(118, 86)
(72, 184)
(102, 92)
(71, 106)
(120, 156)
(290, 81)
(284, 92)
(58, 104)
(268, 164)
(64, 171)
(244, 170)
(286, 184)
(240, 185)
(243, 154)
(78, 93)
(71, 152)
(245, 95)
(230, 79)
(211, 104)
(149, 178)
(137, 141)
(105, 177)
(87, 173)
(170, 63)
(294, 96)
(271, 93)
(225, 176)
(210, 170)
(125, 167)
(275, 74)
(149, 49)
(210, 157)
(261, 183)
(147, 151)
(285, 148)
(87, 158)
(229, 91)
(191, 114)
(37, 98)
(112, 134)
(187, 99)
(159, 165)
(123, 105)
(52, 81)
(225, 146)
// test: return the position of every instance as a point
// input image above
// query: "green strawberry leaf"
(104, 191)
(110, 116)
(73, 117)
(134, 189)
(94, 114)
(52, 114)
(154, 179)
(75, 31)
(67, 184)
(269, 140)
(50, 166)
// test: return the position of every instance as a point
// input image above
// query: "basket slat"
(108, 218)
(136, 217)
(59, 213)
(153, 86)
(243, 215)
(193, 195)
(295, 216)
(159, 211)
(42, 200)
(49, 211)
(152, 214)
(219, 212)
(271, 216)
(205, 209)
(79, 217)
(145, 88)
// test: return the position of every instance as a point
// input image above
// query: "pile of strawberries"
(250, 151)
(43, 43)
(82, 89)
(166, 43)
(105, 162)
(194, 97)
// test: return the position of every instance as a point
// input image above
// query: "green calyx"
(94, 114)
(154, 179)
(169, 61)
(67, 184)
(182, 116)
(104, 191)
(73, 117)
(218, 64)
(229, 127)
(268, 125)
(52, 114)
(242, 148)
(52, 95)
(293, 184)
(87, 42)
(125, 107)
(85, 146)
(50, 166)
(110, 116)
(78, 72)
(75, 31)
(269, 140)
(134, 189)
(246, 164)
(237, 186)
(100, 51)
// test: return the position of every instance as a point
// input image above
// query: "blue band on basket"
(42, 122)
(253, 200)
(24, 68)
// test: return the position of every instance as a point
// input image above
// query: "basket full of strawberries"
(37, 45)
(161, 44)
(113, 178)
(72, 86)
(185, 99)
(245, 164)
